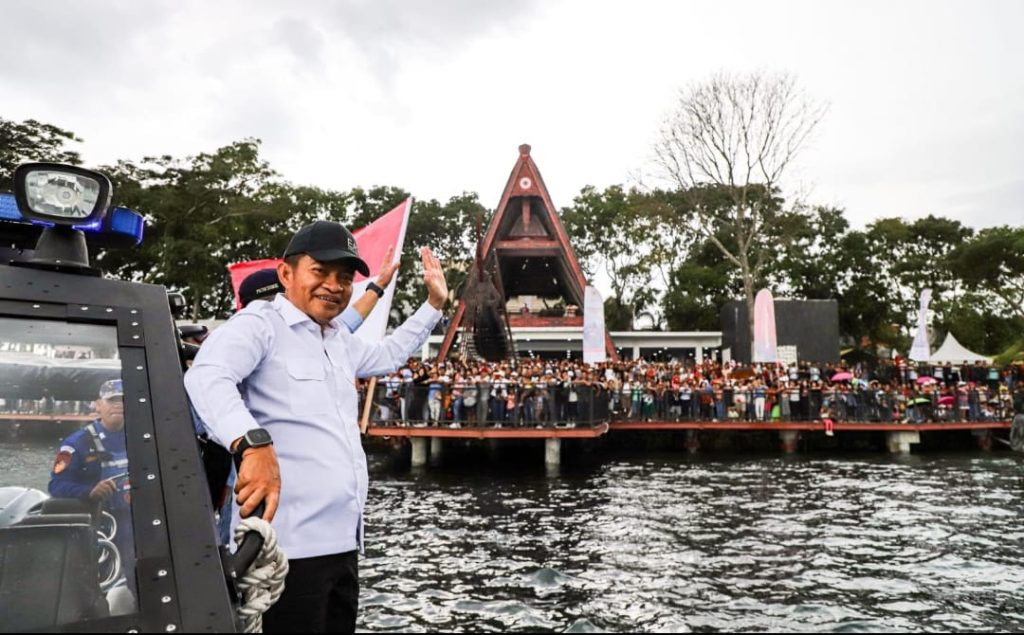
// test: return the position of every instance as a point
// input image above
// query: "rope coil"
(263, 583)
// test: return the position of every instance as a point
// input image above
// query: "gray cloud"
(384, 31)
(62, 47)
(304, 40)
(69, 48)
(996, 204)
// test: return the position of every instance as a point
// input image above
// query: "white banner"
(593, 327)
(920, 351)
(788, 355)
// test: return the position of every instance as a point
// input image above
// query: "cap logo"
(351, 243)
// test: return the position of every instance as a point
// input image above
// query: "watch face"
(258, 437)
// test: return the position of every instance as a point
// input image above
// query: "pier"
(427, 440)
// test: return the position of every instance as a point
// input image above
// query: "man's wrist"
(255, 438)
(376, 288)
(246, 452)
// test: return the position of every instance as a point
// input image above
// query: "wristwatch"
(255, 438)
(373, 286)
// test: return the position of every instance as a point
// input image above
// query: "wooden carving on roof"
(524, 258)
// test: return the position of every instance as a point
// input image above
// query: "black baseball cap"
(259, 285)
(327, 241)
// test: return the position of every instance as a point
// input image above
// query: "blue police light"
(126, 222)
(121, 227)
(9, 209)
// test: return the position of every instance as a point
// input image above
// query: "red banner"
(372, 241)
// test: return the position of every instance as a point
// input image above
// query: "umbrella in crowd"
(842, 377)
(919, 401)
(948, 400)
(926, 380)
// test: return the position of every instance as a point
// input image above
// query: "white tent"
(953, 351)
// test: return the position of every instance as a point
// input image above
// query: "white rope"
(263, 583)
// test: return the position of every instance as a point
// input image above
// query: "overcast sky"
(926, 99)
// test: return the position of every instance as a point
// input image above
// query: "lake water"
(671, 543)
(668, 542)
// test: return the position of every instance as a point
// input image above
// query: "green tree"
(29, 141)
(736, 135)
(812, 260)
(617, 316)
(614, 231)
(447, 228)
(699, 287)
(977, 322)
(202, 213)
(906, 257)
(992, 263)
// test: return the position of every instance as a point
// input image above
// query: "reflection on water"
(26, 462)
(671, 544)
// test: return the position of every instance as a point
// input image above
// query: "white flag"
(593, 327)
(920, 351)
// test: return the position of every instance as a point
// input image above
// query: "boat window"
(66, 539)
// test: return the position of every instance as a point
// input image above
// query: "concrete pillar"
(436, 449)
(900, 442)
(636, 351)
(984, 439)
(552, 451)
(692, 442)
(789, 440)
(699, 354)
(419, 451)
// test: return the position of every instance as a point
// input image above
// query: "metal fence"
(486, 404)
(489, 405)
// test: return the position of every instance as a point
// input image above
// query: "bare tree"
(736, 136)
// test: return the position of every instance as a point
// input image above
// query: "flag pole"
(364, 422)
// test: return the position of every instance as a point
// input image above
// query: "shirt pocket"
(307, 388)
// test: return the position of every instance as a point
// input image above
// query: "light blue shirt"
(272, 366)
(349, 317)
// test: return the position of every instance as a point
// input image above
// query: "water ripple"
(668, 544)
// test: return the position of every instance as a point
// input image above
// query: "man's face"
(111, 413)
(321, 290)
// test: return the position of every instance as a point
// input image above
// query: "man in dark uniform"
(92, 466)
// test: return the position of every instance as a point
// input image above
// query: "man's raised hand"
(433, 278)
(387, 269)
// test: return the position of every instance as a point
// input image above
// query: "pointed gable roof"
(525, 224)
(954, 352)
(535, 225)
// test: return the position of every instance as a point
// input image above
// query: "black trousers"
(321, 595)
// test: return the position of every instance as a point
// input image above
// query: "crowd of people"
(534, 392)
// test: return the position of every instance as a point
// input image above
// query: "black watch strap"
(255, 438)
(373, 286)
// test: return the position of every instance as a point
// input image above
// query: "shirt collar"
(293, 315)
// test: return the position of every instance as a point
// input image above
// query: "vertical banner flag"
(765, 338)
(373, 242)
(920, 351)
(593, 327)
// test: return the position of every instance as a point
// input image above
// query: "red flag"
(372, 241)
